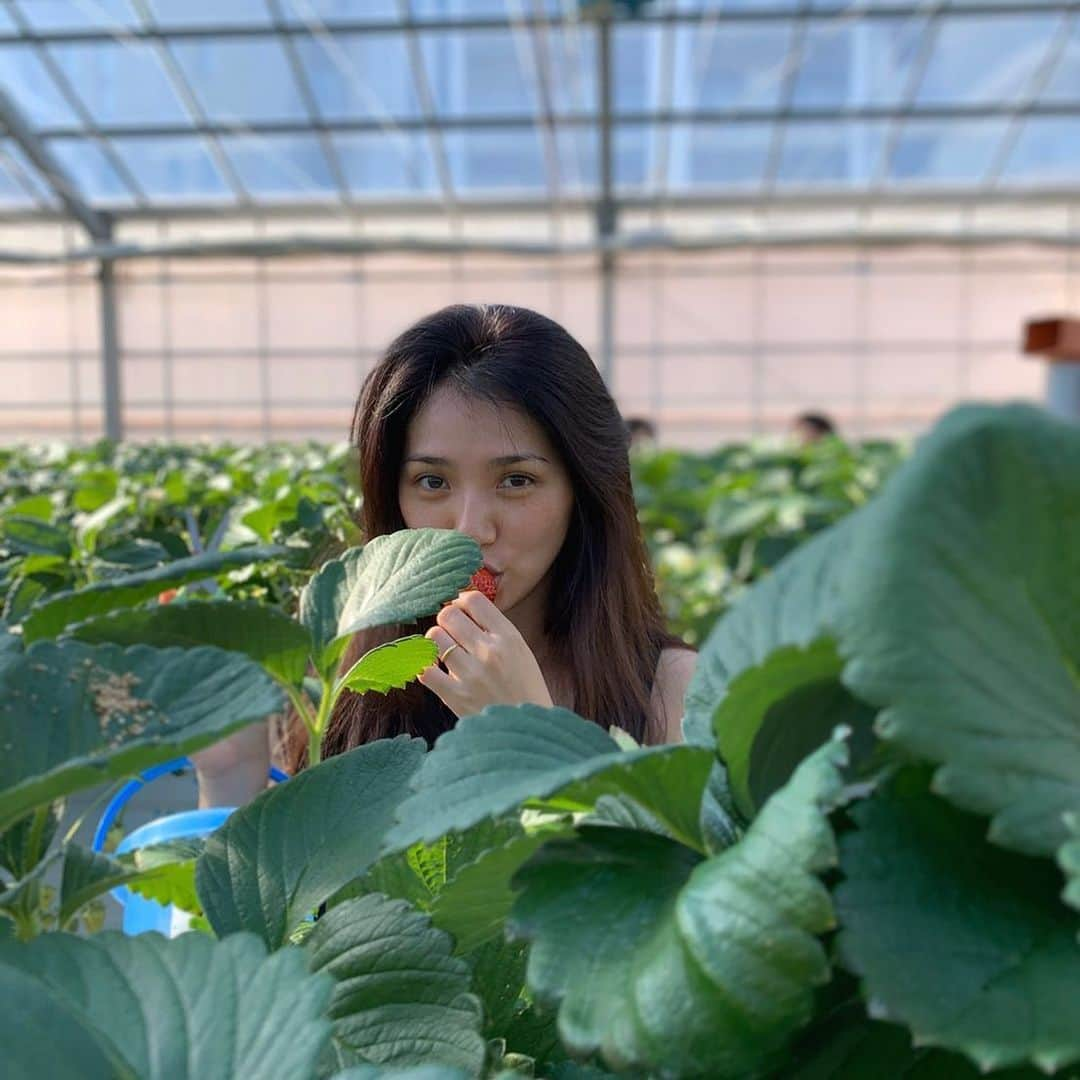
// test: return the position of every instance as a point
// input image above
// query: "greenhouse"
(540, 538)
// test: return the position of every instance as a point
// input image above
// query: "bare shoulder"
(673, 674)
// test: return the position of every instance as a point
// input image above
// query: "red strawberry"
(167, 595)
(484, 581)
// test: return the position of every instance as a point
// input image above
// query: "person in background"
(642, 432)
(493, 420)
(811, 427)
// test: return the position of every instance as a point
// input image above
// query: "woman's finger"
(480, 609)
(460, 627)
(446, 645)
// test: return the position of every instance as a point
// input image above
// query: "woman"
(492, 420)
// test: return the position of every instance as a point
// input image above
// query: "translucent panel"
(238, 81)
(21, 168)
(12, 192)
(631, 151)
(496, 161)
(834, 154)
(25, 77)
(281, 166)
(731, 65)
(714, 155)
(577, 149)
(713, 6)
(354, 75)
(120, 84)
(570, 58)
(1047, 152)
(985, 60)
(177, 168)
(387, 164)
(6, 25)
(79, 14)
(367, 10)
(210, 12)
(480, 73)
(91, 171)
(1064, 84)
(956, 152)
(637, 69)
(860, 63)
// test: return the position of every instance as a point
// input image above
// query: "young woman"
(492, 420)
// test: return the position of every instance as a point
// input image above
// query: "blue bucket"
(141, 914)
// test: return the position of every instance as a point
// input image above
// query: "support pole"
(110, 352)
(1058, 342)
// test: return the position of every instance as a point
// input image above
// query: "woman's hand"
(486, 659)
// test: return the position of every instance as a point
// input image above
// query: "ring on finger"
(456, 645)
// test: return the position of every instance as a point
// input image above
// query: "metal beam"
(112, 396)
(778, 13)
(38, 153)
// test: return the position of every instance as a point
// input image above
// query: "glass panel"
(496, 161)
(479, 73)
(26, 172)
(367, 10)
(442, 9)
(91, 171)
(862, 63)
(986, 60)
(79, 14)
(354, 75)
(1046, 152)
(177, 168)
(577, 149)
(25, 77)
(120, 84)
(1064, 84)
(282, 166)
(631, 147)
(239, 81)
(210, 12)
(715, 155)
(398, 164)
(636, 69)
(731, 66)
(837, 154)
(946, 153)
(6, 25)
(570, 56)
(12, 193)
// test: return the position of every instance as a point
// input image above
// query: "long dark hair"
(604, 621)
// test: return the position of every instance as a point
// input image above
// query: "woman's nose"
(476, 518)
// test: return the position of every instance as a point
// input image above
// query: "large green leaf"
(74, 715)
(171, 1009)
(966, 944)
(32, 536)
(392, 579)
(417, 1072)
(45, 1037)
(401, 998)
(51, 616)
(276, 859)
(962, 617)
(794, 606)
(268, 636)
(682, 966)
(23, 844)
(494, 761)
(391, 666)
(1069, 858)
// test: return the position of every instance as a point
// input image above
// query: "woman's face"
(491, 473)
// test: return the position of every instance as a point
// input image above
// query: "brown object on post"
(1055, 340)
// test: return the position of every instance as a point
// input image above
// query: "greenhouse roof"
(114, 109)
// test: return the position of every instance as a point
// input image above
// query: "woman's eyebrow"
(508, 459)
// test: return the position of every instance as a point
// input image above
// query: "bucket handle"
(133, 786)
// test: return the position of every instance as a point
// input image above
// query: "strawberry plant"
(862, 862)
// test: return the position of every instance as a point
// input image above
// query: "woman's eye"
(436, 482)
(518, 480)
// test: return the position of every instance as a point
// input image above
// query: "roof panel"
(387, 163)
(941, 153)
(178, 169)
(281, 166)
(25, 77)
(89, 167)
(1046, 152)
(838, 155)
(79, 14)
(508, 162)
(479, 73)
(710, 157)
(1064, 83)
(170, 13)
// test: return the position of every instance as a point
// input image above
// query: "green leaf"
(1069, 860)
(75, 715)
(49, 618)
(276, 859)
(44, 1036)
(171, 1008)
(27, 591)
(964, 943)
(962, 617)
(401, 997)
(392, 579)
(795, 605)
(86, 875)
(32, 536)
(688, 967)
(417, 1072)
(269, 637)
(494, 761)
(23, 844)
(167, 872)
(391, 666)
